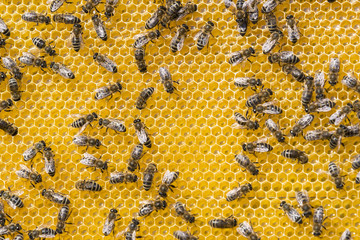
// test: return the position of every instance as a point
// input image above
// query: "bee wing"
(142, 136)
(269, 45)
(325, 105)
(300, 197)
(261, 140)
(241, 59)
(108, 226)
(242, 81)
(142, 203)
(293, 214)
(29, 55)
(261, 148)
(2, 25)
(181, 43)
(336, 118)
(168, 177)
(77, 116)
(314, 133)
(271, 124)
(335, 64)
(88, 160)
(181, 13)
(49, 166)
(197, 35)
(139, 35)
(306, 120)
(286, 54)
(319, 79)
(245, 228)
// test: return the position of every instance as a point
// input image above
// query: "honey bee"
(11, 65)
(242, 55)
(149, 173)
(287, 57)
(3, 28)
(6, 105)
(319, 85)
(259, 146)
(149, 206)
(238, 192)
(246, 163)
(318, 135)
(246, 230)
(140, 61)
(88, 185)
(30, 60)
(271, 22)
(203, 36)
(36, 18)
(182, 235)
(14, 89)
(141, 133)
(48, 156)
(250, 6)
(291, 212)
(318, 221)
(109, 224)
(275, 130)
(4, 217)
(177, 42)
(351, 82)
(33, 176)
(245, 82)
(84, 140)
(300, 125)
(334, 172)
(334, 69)
(113, 124)
(10, 229)
(244, 122)
(110, 6)
(300, 156)
(189, 8)
(270, 5)
(105, 62)
(62, 70)
(145, 94)
(12, 198)
(99, 27)
(296, 73)
(82, 120)
(41, 44)
(308, 91)
(271, 42)
(107, 91)
(337, 117)
(136, 155)
(90, 5)
(66, 18)
(346, 235)
(166, 80)
(19, 236)
(63, 215)
(143, 39)
(241, 18)
(76, 37)
(258, 98)
(55, 197)
(31, 152)
(8, 128)
(304, 202)
(181, 211)
(56, 4)
(120, 177)
(42, 233)
(229, 222)
(293, 30)
(320, 105)
(356, 162)
(168, 179)
(91, 161)
(267, 108)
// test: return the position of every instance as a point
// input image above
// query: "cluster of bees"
(259, 103)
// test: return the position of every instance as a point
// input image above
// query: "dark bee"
(3, 28)
(120, 177)
(110, 6)
(356, 162)
(91, 161)
(246, 163)
(63, 216)
(49, 161)
(90, 5)
(244, 122)
(258, 98)
(168, 179)
(62, 70)
(270, 5)
(4, 217)
(10, 229)
(111, 123)
(320, 105)
(319, 83)
(41, 44)
(66, 18)
(31, 152)
(346, 235)
(83, 120)
(143, 39)
(296, 73)
(107, 91)
(293, 30)
(149, 176)
(141, 133)
(300, 156)
(140, 61)
(304, 202)
(189, 8)
(149, 206)
(6, 105)
(318, 221)
(11, 65)
(335, 139)
(271, 22)
(337, 117)
(203, 36)
(36, 18)
(300, 125)
(83, 140)
(8, 128)
(351, 82)
(166, 80)
(245, 82)
(275, 130)
(55, 197)
(33, 176)
(318, 135)
(12, 198)
(145, 94)
(267, 108)
(250, 6)
(136, 155)
(242, 55)
(291, 212)
(334, 172)
(177, 42)
(246, 230)
(42, 233)
(258, 146)
(56, 4)
(109, 224)
(272, 41)
(154, 20)
(30, 60)
(105, 62)
(182, 235)
(181, 211)
(76, 37)
(88, 185)
(334, 69)
(307, 94)
(287, 57)
(238, 192)
(229, 222)
(99, 27)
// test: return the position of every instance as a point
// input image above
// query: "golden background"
(191, 133)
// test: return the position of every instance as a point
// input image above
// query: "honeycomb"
(192, 132)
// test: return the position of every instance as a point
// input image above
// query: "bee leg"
(249, 60)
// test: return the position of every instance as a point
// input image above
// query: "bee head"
(258, 82)
(195, 7)
(256, 125)
(137, 120)
(43, 64)
(1, 192)
(251, 50)
(118, 84)
(10, 102)
(43, 192)
(97, 143)
(113, 210)
(85, 9)
(211, 23)
(157, 32)
(186, 27)
(18, 227)
(95, 55)
(162, 8)
(289, 16)
(250, 186)
(101, 121)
